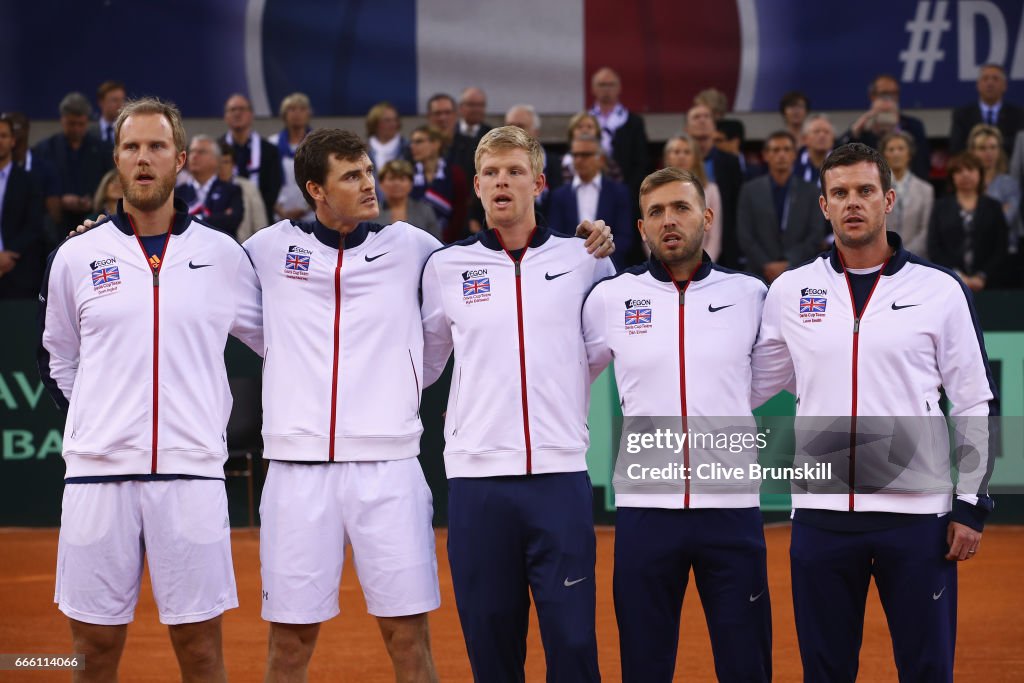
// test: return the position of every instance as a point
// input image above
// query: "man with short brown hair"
(520, 504)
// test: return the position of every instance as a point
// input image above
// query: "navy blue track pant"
(654, 552)
(916, 584)
(508, 537)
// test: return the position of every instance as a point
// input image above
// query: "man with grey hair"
(593, 196)
(80, 159)
(818, 138)
(472, 110)
(216, 202)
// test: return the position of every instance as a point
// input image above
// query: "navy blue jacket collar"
(660, 273)
(899, 257)
(332, 238)
(179, 224)
(489, 238)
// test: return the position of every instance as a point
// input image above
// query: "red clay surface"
(991, 620)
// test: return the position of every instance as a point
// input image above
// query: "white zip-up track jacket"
(137, 359)
(917, 332)
(681, 350)
(344, 365)
(520, 386)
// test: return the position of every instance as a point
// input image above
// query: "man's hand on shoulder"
(87, 225)
(599, 238)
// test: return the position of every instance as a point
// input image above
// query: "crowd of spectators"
(766, 217)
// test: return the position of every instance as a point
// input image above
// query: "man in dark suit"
(623, 134)
(883, 117)
(80, 160)
(591, 197)
(990, 108)
(213, 200)
(779, 221)
(110, 97)
(722, 169)
(255, 158)
(21, 257)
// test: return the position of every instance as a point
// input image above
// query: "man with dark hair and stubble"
(110, 97)
(680, 330)
(873, 331)
(341, 310)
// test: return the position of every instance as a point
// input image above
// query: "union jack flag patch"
(102, 276)
(296, 262)
(478, 286)
(638, 316)
(812, 304)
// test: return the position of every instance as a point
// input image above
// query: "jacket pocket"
(454, 410)
(415, 377)
(73, 412)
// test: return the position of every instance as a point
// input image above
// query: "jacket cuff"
(972, 515)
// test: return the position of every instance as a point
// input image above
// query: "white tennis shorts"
(309, 513)
(179, 526)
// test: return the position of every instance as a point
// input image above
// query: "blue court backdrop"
(347, 55)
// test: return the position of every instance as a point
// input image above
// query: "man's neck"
(296, 134)
(706, 144)
(5, 162)
(897, 174)
(816, 157)
(202, 180)
(149, 223)
(240, 136)
(866, 256)
(589, 179)
(516, 236)
(73, 144)
(607, 108)
(398, 203)
(991, 104)
(684, 270)
(341, 226)
(780, 177)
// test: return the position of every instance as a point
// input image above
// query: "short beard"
(857, 242)
(149, 199)
(688, 253)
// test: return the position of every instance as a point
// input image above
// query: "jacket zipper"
(681, 288)
(156, 334)
(522, 345)
(337, 348)
(856, 346)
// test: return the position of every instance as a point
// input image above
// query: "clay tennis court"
(991, 620)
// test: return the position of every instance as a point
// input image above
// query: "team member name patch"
(813, 302)
(476, 286)
(296, 263)
(106, 278)
(639, 316)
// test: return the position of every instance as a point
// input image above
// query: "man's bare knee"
(407, 640)
(199, 651)
(101, 646)
(290, 648)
